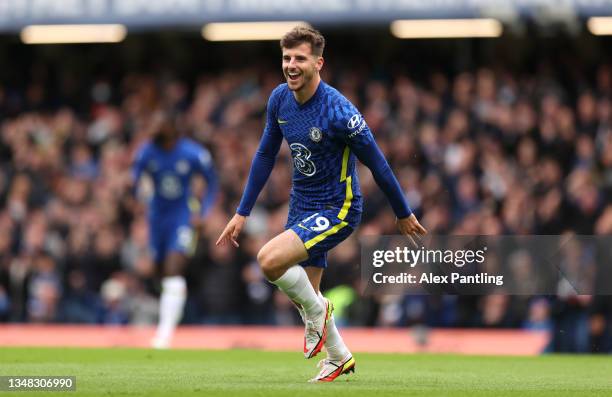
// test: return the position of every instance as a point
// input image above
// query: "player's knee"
(268, 259)
(175, 264)
(171, 271)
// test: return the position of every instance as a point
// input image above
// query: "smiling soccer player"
(326, 134)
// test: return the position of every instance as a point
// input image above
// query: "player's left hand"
(411, 228)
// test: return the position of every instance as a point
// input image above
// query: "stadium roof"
(151, 14)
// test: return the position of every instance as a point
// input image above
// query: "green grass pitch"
(141, 372)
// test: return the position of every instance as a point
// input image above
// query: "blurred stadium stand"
(511, 135)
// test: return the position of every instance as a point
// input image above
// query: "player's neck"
(167, 143)
(304, 94)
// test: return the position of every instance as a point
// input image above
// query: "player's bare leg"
(279, 260)
(280, 254)
(172, 300)
(339, 359)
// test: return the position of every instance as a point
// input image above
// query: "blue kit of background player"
(172, 207)
(172, 161)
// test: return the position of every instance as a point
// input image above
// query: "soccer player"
(325, 133)
(171, 161)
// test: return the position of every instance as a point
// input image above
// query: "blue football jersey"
(321, 133)
(325, 134)
(171, 172)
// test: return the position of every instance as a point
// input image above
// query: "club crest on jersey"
(315, 134)
(182, 167)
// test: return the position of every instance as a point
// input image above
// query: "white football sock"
(296, 285)
(301, 311)
(336, 349)
(171, 304)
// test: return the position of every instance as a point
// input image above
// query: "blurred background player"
(324, 132)
(171, 161)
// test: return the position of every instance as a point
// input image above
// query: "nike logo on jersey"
(282, 121)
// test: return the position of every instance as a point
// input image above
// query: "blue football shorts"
(171, 234)
(321, 231)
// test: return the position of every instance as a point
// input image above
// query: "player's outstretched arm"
(373, 158)
(357, 135)
(261, 167)
(232, 230)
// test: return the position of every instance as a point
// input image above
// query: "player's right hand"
(232, 230)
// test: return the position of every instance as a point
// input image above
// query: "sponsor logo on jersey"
(354, 121)
(282, 121)
(204, 158)
(315, 134)
(358, 130)
(301, 159)
(170, 186)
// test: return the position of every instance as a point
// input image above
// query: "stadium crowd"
(485, 151)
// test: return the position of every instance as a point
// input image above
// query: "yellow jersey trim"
(308, 244)
(348, 199)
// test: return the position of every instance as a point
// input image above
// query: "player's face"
(161, 128)
(300, 66)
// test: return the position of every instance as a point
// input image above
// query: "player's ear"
(319, 64)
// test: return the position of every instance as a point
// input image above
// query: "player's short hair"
(302, 34)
